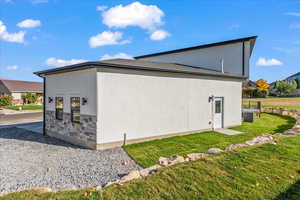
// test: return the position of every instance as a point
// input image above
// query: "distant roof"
(297, 74)
(249, 84)
(139, 65)
(23, 86)
(252, 38)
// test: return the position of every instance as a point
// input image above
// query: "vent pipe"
(222, 65)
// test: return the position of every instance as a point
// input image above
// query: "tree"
(298, 84)
(285, 87)
(30, 98)
(262, 88)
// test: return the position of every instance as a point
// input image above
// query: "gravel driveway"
(29, 160)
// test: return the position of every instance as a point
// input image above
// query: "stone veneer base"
(82, 134)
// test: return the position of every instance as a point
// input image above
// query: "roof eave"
(252, 38)
(88, 65)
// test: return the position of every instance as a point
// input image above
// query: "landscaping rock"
(163, 161)
(262, 139)
(132, 175)
(289, 132)
(30, 160)
(214, 150)
(175, 160)
(234, 146)
(196, 156)
(98, 187)
(297, 126)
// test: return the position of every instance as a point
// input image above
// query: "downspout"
(44, 108)
(243, 58)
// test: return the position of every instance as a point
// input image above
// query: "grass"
(276, 102)
(147, 153)
(268, 172)
(25, 107)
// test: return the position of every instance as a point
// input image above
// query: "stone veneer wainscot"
(82, 133)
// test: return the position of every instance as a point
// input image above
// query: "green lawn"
(25, 107)
(268, 172)
(147, 153)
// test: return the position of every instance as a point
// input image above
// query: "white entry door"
(218, 112)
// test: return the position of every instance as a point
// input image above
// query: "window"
(59, 108)
(218, 106)
(75, 109)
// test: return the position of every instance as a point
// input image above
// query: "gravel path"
(29, 160)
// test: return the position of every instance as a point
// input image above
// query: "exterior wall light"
(211, 98)
(50, 99)
(84, 101)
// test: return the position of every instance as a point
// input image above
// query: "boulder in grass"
(265, 138)
(290, 132)
(214, 151)
(163, 161)
(149, 170)
(175, 160)
(234, 146)
(131, 175)
(196, 156)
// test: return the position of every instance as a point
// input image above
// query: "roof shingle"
(23, 86)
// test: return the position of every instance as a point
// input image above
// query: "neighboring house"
(295, 77)
(249, 88)
(17, 88)
(100, 104)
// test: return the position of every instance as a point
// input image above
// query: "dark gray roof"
(297, 74)
(252, 39)
(249, 84)
(139, 65)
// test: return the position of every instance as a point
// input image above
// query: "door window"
(218, 106)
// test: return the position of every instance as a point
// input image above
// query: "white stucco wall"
(144, 104)
(16, 95)
(210, 58)
(73, 84)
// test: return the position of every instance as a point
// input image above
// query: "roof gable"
(252, 40)
(23, 86)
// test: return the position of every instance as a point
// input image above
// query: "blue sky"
(42, 34)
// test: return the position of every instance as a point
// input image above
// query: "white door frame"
(214, 125)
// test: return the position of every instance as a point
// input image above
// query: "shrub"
(30, 98)
(5, 100)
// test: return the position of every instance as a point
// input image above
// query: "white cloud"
(107, 38)
(55, 62)
(296, 14)
(297, 42)
(159, 35)
(29, 23)
(101, 8)
(11, 37)
(135, 14)
(295, 26)
(39, 1)
(118, 55)
(268, 62)
(12, 67)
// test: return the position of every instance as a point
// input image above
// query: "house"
(249, 88)
(294, 77)
(16, 89)
(106, 103)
